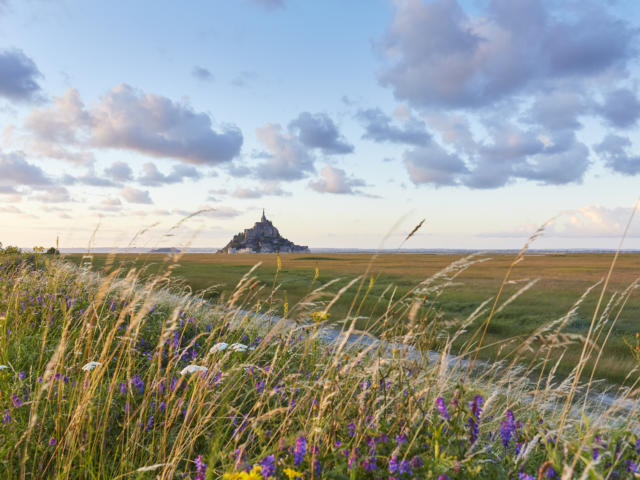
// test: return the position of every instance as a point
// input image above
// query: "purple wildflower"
(300, 450)
(507, 428)
(22, 375)
(369, 463)
(476, 406)
(201, 468)
(138, 383)
(16, 400)
(268, 465)
(352, 429)
(353, 459)
(52, 441)
(260, 386)
(443, 476)
(442, 408)
(400, 439)
(631, 466)
(317, 467)
(525, 476)
(393, 464)
(6, 417)
(416, 462)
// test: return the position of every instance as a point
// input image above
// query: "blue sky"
(348, 121)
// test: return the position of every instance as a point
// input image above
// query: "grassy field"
(113, 375)
(562, 280)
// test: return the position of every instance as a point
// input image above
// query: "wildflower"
(443, 476)
(507, 428)
(352, 429)
(299, 451)
(369, 463)
(138, 383)
(22, 375)
(3, 367)
(6, 417)
(353, 459)
(442, 408)
(476, 406)
(52, 441)
(90, 366)
(268, 465)
(240, 347)
(317, 467)
(525, 476)
(291, 474)
(16, 400)
(400, 439)
(393, 465)
(192, 369)
(416, 462)
(218, 347)
(201, 468)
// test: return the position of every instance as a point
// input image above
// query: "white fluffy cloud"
(336, 180)
(130, 119)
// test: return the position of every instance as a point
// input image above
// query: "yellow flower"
(279, 262)
(318, 316)
(315, 277)
(254, 474)
(291, 473)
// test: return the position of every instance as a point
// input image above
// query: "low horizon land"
(562, 278)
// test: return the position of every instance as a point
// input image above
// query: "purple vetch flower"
(476, 406)
(352, 429)
(6, 417)
(638, 446)
(317, 467)
(443, 476)
(595, 453)
(22, 375)
(393, 465)
(416, 462)
(123, 388)
(404, 467)
(632, 467)
(369, 464)
(268, 465)
(16, 400)
(52, 441)
(201, 468)
(442, 408)
(507, 428)
(149, 425)
(525, 476)
(138, 383)
(300, 450)
(400, 439)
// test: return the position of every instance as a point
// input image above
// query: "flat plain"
(562, 278)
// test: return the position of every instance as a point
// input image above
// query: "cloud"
(129, 119)
(433, 165)
(133, 195)
(268, 189)
(621, 108)
(378, 128)
(119, 172)
(15, 171)
(153, 177)
(244, 78)
(614, 150)
(269, 4)
(289, 157)
(470, 61)
(319, 131)
(18, 76)
(111, 204)
(202, 74)
(55, 194)
(335, 180)
(57, 130)
(211, 212)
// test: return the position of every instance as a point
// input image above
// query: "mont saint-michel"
(263, 237)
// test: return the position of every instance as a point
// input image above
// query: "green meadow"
(544, 288)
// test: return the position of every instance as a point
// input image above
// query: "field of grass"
(562, 280)
(121, 374)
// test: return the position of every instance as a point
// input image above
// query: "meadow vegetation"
(125, 372)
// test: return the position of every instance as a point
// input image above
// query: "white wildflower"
(218, 347)
(239, 347)
(90, 366)
(193, 369)
(3, 367)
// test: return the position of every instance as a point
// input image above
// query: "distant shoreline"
(432, 251)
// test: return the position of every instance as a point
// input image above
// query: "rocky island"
(263, 237)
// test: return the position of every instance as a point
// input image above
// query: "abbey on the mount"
(263, 237)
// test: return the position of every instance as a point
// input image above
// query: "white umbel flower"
(218, 347)
(3, 367)
(193, 369)
(90, 366)
(240, 347)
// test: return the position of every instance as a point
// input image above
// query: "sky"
(347, 121)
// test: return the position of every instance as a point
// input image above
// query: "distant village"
(263, 237)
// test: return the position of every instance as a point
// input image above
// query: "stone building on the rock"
(263, 237)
